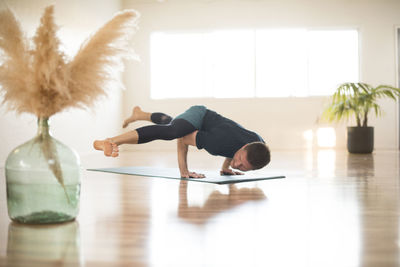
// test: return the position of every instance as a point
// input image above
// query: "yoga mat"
(173, 173)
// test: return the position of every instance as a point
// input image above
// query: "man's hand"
(192, 175)
(230, 172)
(182, 160)
(226, 170)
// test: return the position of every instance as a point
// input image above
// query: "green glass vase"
(43, 178)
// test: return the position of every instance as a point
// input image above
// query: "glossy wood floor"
(333, 209)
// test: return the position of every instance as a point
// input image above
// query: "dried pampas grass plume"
(16, 67)
(90, 69)
(43, 82)
(49, 69)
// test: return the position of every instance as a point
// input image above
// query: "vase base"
(44, 217)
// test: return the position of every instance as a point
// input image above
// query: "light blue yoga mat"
(173, 173)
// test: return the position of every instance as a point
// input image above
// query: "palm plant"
(358, 99)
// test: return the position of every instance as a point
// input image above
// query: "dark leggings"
(165, 128)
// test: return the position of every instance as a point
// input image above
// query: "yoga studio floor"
(332, 209)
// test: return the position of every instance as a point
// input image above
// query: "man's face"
(240, 162)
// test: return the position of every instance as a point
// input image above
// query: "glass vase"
(43, 180)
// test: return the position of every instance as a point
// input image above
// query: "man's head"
(252, 156)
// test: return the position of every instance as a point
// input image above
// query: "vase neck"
(43, 126)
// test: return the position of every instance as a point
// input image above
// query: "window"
(252, 63)
(281, 63)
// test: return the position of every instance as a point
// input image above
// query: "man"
(198, 126)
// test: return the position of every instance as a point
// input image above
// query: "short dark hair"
(258, 155)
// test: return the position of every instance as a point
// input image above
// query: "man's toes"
(108, 148)
(114, 146)
(98, 145)
(136, 110)
(128, 121)
(111, 149)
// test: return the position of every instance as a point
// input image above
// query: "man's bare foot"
(136, 115)
(110, 149)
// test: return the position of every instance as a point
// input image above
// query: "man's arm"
(182, 149)
(226, 170)
(227, 163)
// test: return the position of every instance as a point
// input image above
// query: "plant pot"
(360, 139)
(43, 180)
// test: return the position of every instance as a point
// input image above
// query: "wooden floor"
(333, 209)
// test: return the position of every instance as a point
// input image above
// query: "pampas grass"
(49, 150)
(40, 80)
(36, 76)
(16, 68)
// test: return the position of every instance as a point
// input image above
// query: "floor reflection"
(360, 165)
(44, 245)
(217, 202)
(195, 228)
(377, 192)
(321, 163)
(326, 162)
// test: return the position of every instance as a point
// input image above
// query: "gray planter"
(360, 139)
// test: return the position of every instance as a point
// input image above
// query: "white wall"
(76, 128)
(280, 121)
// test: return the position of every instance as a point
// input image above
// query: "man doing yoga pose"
(244, 150)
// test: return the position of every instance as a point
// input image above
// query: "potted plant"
(358, 99)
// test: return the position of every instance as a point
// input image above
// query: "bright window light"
(216, 64)
(230, 68)
(252, 63)
(281, 63)
(326, 137)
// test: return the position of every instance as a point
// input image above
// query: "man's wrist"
(226, 164)
(184, 171)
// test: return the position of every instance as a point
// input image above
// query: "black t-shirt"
(223, 137)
